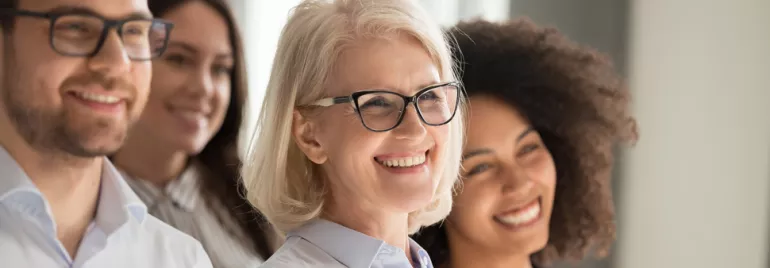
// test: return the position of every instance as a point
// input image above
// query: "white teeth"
(97, 98)
(521, 217)
(404, 162)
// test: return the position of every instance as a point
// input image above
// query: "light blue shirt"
(322, 243)
(122, 234)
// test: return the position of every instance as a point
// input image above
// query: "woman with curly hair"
(544, 116)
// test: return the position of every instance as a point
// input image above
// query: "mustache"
(107, 83)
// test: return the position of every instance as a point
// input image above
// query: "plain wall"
(695, 189)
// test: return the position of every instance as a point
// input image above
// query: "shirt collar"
(18, 192)
(117, 202)
(14, 178)
(183, 192)
(355, 249)
(419, 255)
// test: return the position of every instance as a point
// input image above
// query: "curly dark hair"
(575, 100)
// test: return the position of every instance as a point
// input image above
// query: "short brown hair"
(573, 97)
(6, 22)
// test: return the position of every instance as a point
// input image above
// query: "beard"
(54, 128)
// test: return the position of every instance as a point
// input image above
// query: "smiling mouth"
(100, 103)
(521, 217)
(98, 98)
(403, 162)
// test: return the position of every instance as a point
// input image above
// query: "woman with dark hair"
(181, 157)
(544, 116)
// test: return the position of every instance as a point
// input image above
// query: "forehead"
(200, 25)
(493, 121)
(106, 8)
(398, 62)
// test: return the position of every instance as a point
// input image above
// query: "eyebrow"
(88, 11)
(413, 90)
(191, 49)
(430, 84)
(524, 134)
(476, 152)
(183, 46)
(483, 151)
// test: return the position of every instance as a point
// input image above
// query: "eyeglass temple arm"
(16, 12)
(332, 101)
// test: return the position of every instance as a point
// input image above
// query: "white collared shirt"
(323, 243)
(122, 234)
(181, 205)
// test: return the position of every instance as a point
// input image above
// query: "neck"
(464, 253)
(466, 260)
(69, 184)
(150, 162)
(371, 220)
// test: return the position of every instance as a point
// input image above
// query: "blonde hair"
(278, 177)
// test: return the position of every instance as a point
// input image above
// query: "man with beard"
(75, 76)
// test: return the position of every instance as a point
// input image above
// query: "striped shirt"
(181, 205)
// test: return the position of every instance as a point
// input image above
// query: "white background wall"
(261, 22)
(448, 12)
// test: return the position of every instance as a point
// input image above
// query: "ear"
(305, 135)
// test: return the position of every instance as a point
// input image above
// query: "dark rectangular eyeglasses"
(383, 110)
(82, 34)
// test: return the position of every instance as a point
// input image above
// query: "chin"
(410, 201)
(107, 145)
(192, 145)
(194, 149)
(93, 151)
(538, 243)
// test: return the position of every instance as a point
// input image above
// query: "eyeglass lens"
(382, 110)
(81, 35)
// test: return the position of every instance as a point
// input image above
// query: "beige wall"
(695, 191)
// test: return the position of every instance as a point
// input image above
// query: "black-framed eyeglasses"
(82, 34)
(382, 110)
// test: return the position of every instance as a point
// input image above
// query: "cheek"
(40, 83)
(162, 88)
(167, 81)
(141, 73)
(45, 84)
(440, 134)
(473, 207)
(545, 172)
(155, 116)
(348, 144)
(221, 99)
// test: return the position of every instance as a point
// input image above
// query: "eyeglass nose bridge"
(407, 101)
(108, 25)
(413, 101)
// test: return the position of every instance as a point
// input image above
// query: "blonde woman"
(360, 137)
